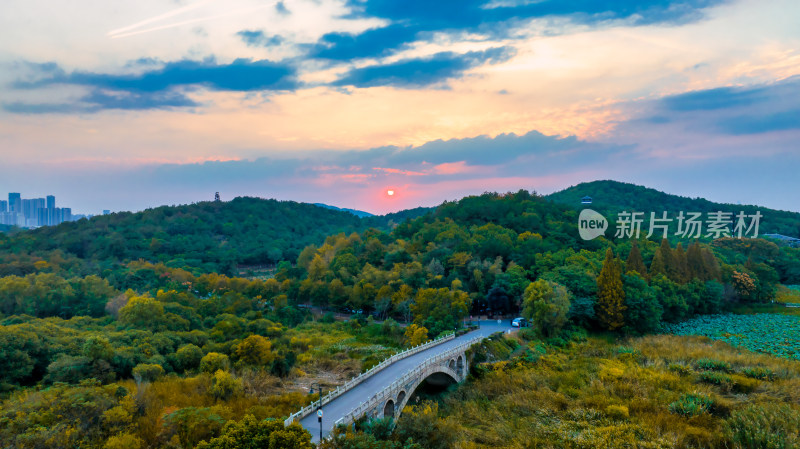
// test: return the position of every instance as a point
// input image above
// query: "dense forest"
(132, 330)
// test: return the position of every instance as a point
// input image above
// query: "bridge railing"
(402, 380)
(340, 390)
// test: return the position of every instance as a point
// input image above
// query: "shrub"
(224, 386)
(715, 378)
(759, 372)
(617, 411)
(743, 384)
(124, 441)
(680, 369)
(213, 362)
(767, 426)
(692, 404)
(713, 365)
(252, 433)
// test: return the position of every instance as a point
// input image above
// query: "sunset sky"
(128, 105)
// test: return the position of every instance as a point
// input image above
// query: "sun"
(390, 192)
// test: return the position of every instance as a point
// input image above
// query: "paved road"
(345, 403)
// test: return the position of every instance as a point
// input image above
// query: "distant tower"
(216, 196)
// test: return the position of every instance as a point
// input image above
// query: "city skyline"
(338, 101)
(33, 212)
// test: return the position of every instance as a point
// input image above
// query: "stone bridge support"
(454, 368)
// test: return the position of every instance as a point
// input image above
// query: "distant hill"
(613, 197)
(357, 213)
(210, 236)
(395, 218)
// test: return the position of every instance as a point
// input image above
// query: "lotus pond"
(764, 332)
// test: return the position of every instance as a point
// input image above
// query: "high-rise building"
(51, 202)
(3, 206)
(43, 217)
(14, 202)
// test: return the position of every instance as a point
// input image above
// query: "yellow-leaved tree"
(610, 294)
(416, 335)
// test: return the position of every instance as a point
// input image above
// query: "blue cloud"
(719, 98)
(411, 19)
(98, 100)
(422, 72)
(257, 38)
(779, 121)
(371, 43)
(515, 155)
(155, 88)
(240, 75)
(282, 9)
(734, 110)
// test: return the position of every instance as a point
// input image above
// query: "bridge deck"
(348, 401)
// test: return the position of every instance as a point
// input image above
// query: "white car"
(519, 322)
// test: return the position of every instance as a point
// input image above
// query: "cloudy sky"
(127, 105)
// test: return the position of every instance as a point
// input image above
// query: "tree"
(415, 335)
(635, 262)
(254, 350)
(743, 284)
(142, 312)
(147, 372)
(695, 263)
(610, 294)
(642, 310)
(213, 362)
(440, 309)
(657, 265)
(193, 424)
(682, 274)
(189, 356)
(668, 257)
(251, 433)
(224, 386)
(546, 305)
(422, 423)
(498, 297)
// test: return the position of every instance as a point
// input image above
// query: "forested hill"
(208, 236)
(614, 197)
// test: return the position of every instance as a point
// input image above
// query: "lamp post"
(319, 406)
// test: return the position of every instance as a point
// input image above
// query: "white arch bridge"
(386, 388)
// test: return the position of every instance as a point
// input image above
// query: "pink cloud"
(397, 171)
(454, 168)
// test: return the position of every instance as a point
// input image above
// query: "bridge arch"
(388, 409)
(401, 396)
(444, 371)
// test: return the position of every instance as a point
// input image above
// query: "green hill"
(210, 236)
(612, 197)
